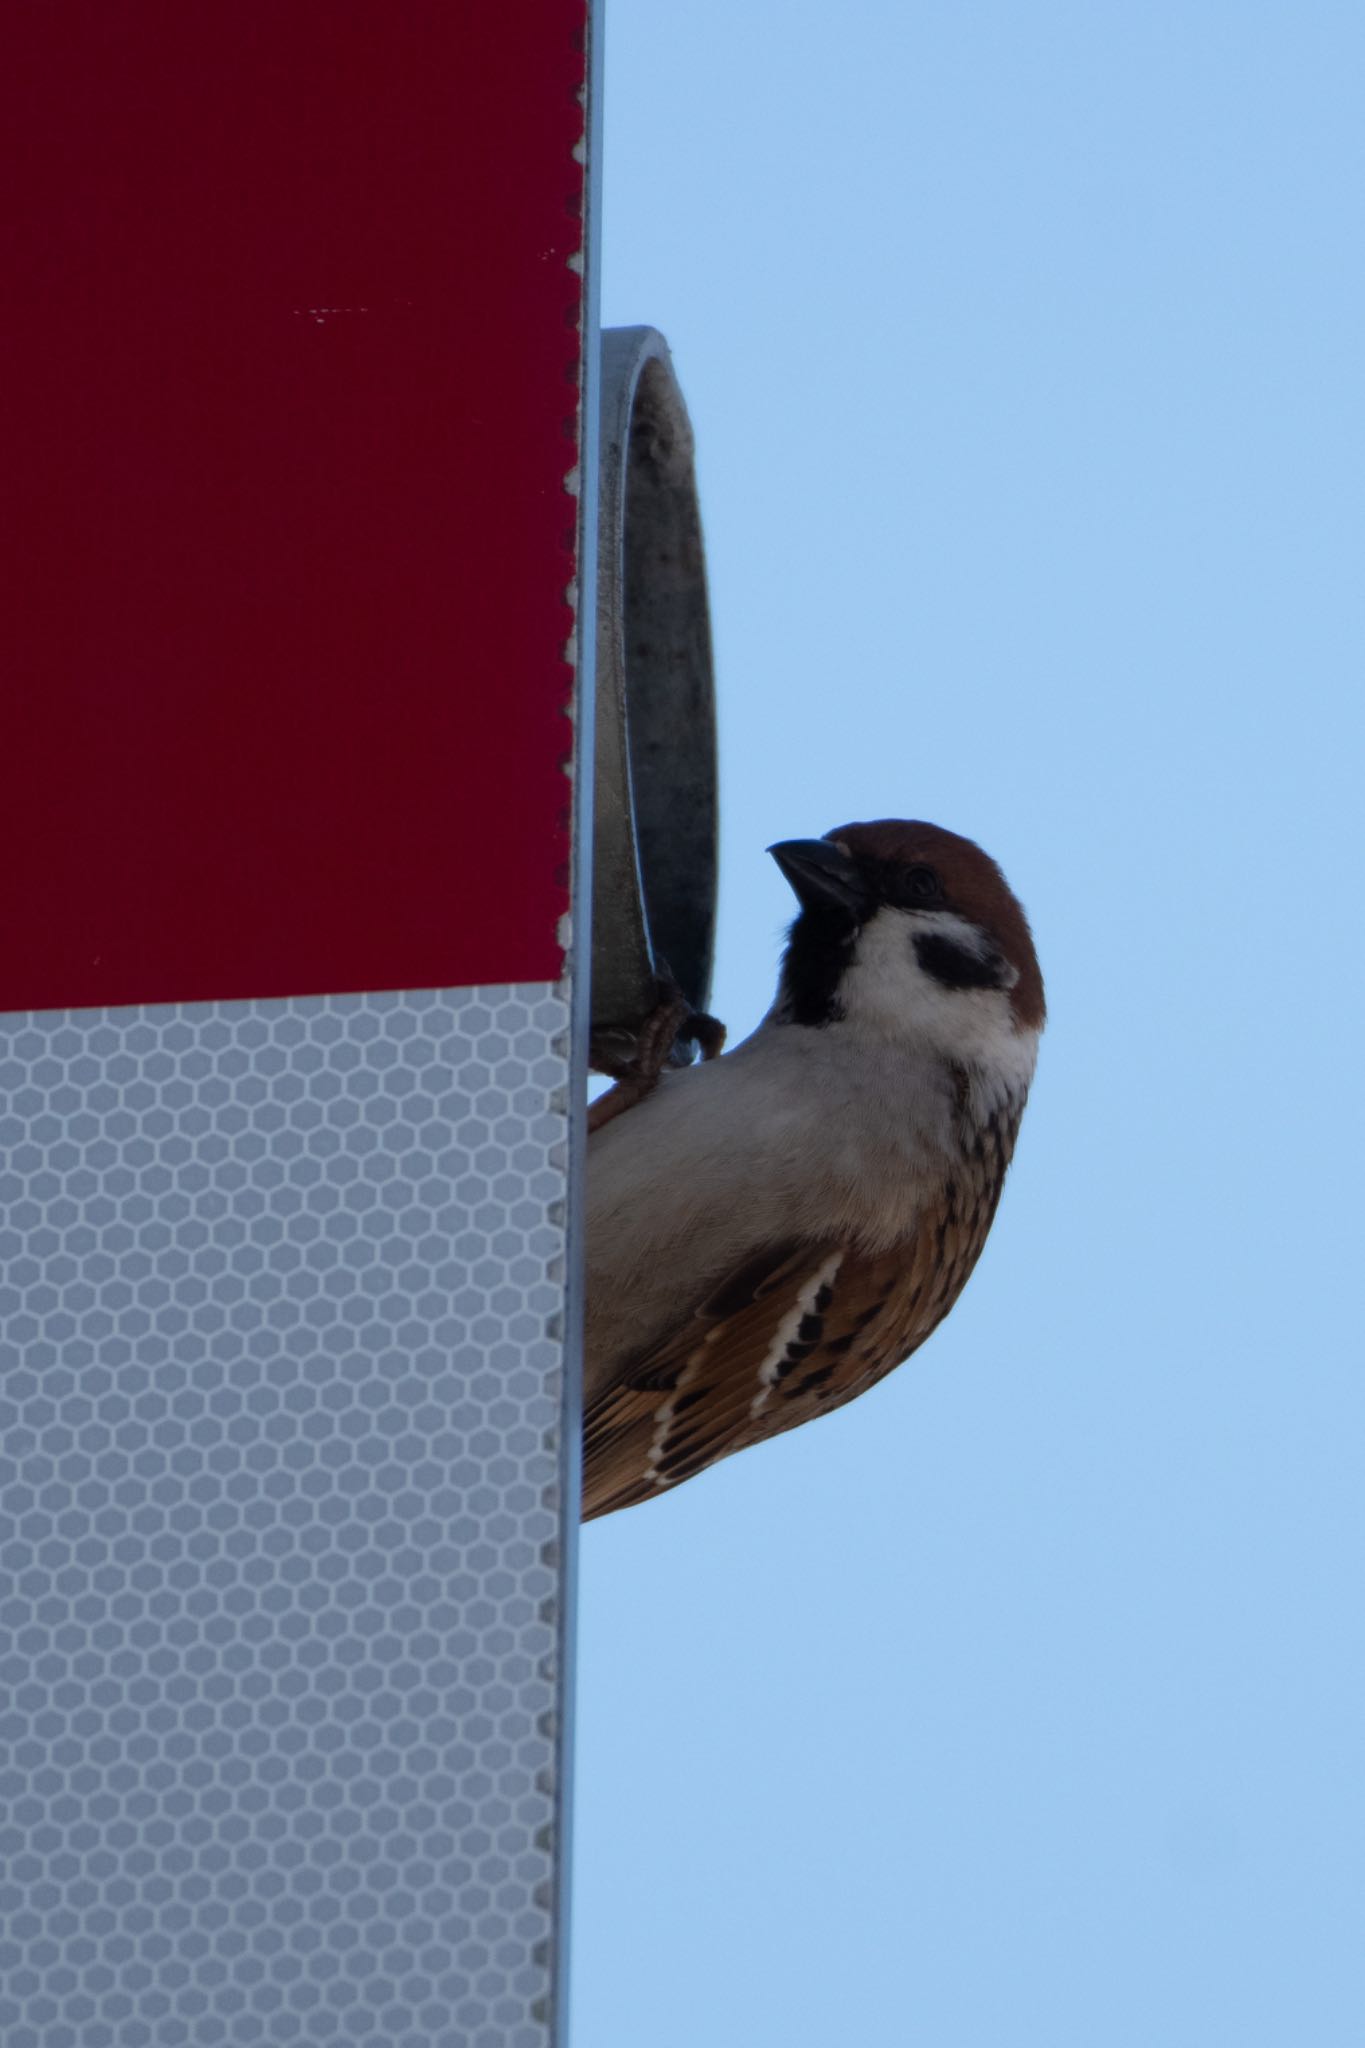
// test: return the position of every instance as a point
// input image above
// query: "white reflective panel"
(281, 1378)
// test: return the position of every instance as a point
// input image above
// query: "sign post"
(298, 338)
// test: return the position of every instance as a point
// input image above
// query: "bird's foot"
(655, 1046)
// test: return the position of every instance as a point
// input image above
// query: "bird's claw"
(661, 1041)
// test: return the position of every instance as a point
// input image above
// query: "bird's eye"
(922, 885)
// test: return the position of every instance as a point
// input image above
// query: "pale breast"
(787, 1139)
(793, 1334)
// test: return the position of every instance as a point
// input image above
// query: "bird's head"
(907, 932)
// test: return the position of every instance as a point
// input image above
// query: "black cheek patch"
(954, 967)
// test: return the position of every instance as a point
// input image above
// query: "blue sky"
(1023, 1702)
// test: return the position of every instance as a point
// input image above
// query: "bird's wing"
(787, 1336)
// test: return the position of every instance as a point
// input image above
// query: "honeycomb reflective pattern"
(280, 1304)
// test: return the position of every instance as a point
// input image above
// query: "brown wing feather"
(712, 1358)
(782, 1340)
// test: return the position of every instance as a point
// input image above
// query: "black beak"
(824, 876)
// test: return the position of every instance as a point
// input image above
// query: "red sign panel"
(291, 331)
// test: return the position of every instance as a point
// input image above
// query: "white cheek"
(886, 992)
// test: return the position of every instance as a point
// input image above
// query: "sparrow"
(771, 1231)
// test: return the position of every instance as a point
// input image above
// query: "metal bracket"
(655, 799)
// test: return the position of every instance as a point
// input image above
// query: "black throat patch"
(819, 948)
